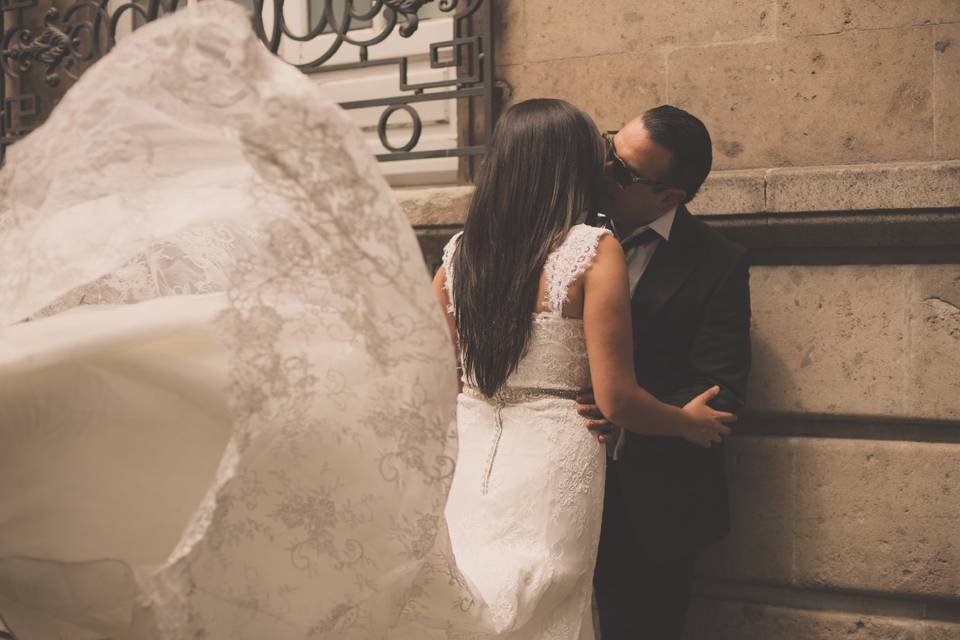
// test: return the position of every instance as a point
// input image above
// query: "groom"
(666, 498)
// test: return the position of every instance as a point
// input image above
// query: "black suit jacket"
(691, 330)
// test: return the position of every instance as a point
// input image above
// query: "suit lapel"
(672, 263)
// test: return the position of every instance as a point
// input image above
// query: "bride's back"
(541, 175)
(525, 505)
(555, 356)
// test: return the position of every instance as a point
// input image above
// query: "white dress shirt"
(638, 259)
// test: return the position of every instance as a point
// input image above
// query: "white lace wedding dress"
(227, 395)
(527, 497)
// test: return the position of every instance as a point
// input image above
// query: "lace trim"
(568, 263)
(563, 266)
(447, 262)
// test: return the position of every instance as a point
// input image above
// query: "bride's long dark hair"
(541, 174)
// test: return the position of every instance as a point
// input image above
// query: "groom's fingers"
(600, 426)
(604, 430)
(590, 411)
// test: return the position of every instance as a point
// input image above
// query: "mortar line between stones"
(750, 40)
(872, 604)
(667, 49)
(871, 29)
(806, 426)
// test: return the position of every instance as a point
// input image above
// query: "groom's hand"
(596, 423)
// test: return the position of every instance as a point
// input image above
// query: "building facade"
(836, 131)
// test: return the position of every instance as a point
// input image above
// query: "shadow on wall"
(759, 546)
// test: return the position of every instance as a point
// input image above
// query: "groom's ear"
(672, 197)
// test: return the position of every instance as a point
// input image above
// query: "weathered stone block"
(914, 185)
(934, 333)
(810, 17)
(828, 339)
(841, 514)
(435, 206)
(511, 32)
(721, 620)
(877, 516)
(611, 88)
(558, 30)
(946, 89)
(867, 340)
(731, 192)
(760, 544)
(837, 99)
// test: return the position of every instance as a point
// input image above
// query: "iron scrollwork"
(409, 9)
(73, 36)
(58, 46)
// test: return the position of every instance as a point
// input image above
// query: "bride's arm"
(609, 335)
(440, 291)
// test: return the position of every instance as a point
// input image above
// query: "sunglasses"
(621, 172)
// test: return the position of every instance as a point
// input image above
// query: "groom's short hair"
(688, 141)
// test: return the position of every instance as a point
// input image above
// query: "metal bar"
(327, 68)
(3, 96)
(422, 97)
(489, 82)
(435, 153)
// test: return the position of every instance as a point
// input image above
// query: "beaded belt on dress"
(503, 397)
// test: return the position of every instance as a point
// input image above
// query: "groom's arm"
(720, 352)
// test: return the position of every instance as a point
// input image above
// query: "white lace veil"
(191, 165)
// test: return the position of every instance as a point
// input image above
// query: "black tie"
(639, 240)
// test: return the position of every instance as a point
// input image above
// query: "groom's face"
(638, 203)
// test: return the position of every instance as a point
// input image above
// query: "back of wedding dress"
(227, 391)
(526, 501)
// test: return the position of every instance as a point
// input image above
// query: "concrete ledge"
(732, 192)
(914, 185)
(436, 206)
(918, 236)
(764, 192)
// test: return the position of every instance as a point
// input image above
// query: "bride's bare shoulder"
(609, 253)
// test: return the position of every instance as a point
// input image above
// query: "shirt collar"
(661, 225)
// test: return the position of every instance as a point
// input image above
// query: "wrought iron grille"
(47, 44)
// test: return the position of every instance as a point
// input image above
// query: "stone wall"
(845, 471)
(778, 82)
(836, 127)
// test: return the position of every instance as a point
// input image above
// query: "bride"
(227, 394)
(538, 307)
